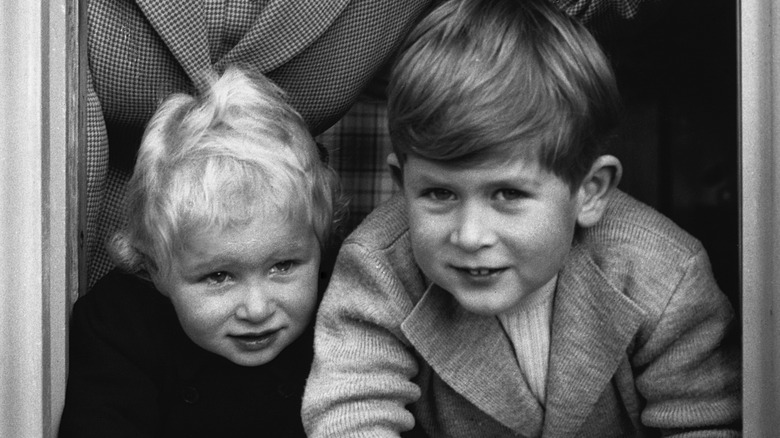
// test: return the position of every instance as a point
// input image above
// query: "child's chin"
(483, 305)
(251, 361)
(479, 308)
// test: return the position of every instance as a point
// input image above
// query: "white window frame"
(760, 214)
(40, 170)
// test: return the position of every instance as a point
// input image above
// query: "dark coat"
(135, 373)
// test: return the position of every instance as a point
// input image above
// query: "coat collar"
(473, 356)
(282, 30)
(182, 27)
(593, 324)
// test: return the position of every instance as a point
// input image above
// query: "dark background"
(679, 140)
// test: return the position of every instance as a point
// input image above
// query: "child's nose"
(255, 305)
(473, 230)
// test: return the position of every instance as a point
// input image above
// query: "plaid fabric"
(322, 52)
(359, 144)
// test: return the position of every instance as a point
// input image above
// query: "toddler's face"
(489, 235)
(246, 293)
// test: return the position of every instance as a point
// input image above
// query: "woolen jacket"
(640, 342)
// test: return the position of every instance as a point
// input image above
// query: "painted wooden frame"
(40, 170)
(760, 212)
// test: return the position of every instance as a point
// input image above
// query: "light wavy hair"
(217, 160)
(483, 80)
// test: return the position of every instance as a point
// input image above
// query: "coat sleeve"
(109, 392)
(361, 377)
(689, 369)
(96, 168)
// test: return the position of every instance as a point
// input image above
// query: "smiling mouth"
(480, 272)
(255, 341)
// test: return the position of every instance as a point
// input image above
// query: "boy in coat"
(511, 289)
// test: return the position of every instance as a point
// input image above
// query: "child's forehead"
(246, 246)
(268, 224)
(235, 214)
(521, 165)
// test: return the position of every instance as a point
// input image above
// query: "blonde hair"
(218, 160)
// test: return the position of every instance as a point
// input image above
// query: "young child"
(512, 290)
(229, 207)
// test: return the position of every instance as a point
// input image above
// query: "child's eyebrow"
(208, 263)
(516, 181)
(427, 179)
(281, 249)
(501, 180)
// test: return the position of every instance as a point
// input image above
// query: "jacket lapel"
(473, 356)
(283, 29)
(593, 325)
(182, 26)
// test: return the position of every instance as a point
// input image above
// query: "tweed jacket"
(639, 342)
(135, 373)
(322, 52)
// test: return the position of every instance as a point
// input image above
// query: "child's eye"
(217, 278)
(282, 267)
(510, 194)
(439, 194)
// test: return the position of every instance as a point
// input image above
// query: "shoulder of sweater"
(636, 227)
(384, 227)
(380, 250)
(642, 253)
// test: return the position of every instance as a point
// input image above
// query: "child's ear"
(395, 170)
(604, 175)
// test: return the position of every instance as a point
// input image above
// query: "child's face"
(489, 235)
(246, 293)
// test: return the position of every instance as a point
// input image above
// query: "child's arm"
(688, 368)
(360, 380)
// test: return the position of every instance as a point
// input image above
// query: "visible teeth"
(482, 271)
